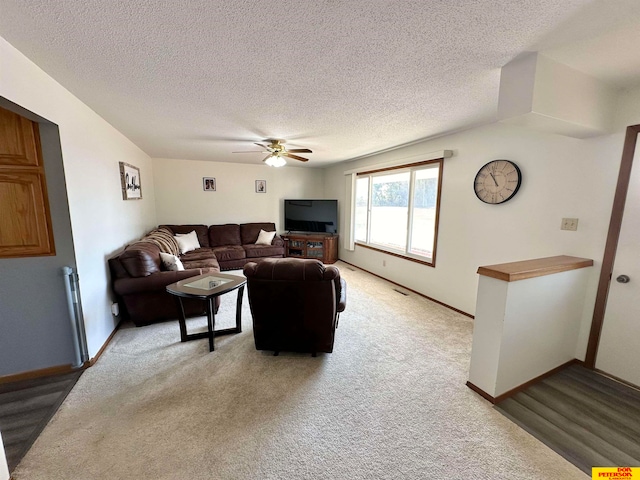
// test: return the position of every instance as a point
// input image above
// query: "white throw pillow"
(187, 241)
(171, 262)
(265, 238)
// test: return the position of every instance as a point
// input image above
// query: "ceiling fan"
(276, 151)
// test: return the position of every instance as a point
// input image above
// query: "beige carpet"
(389, 403)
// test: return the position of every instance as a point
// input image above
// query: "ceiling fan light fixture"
(276, 152)
(275, 161)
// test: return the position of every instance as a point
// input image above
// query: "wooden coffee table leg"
(211, 321)
(239, 310)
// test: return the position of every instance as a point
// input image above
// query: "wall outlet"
(115, 309)
(569, 224)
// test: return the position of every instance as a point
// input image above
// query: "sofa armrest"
(332, 273)
(152, 283)
(342, 301)
(277, 241)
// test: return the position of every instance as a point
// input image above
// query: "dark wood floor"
(586, 417)
(25, 409)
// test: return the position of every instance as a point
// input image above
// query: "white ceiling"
(199, 79)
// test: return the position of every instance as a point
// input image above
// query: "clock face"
(497, 182)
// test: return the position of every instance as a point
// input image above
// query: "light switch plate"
(569, 224)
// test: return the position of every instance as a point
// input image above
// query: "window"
(396, 210)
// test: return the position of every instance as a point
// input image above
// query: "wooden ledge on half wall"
(522, 270)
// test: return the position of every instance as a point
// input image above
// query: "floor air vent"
(401, 292)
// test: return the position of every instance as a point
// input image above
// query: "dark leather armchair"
(295, 304)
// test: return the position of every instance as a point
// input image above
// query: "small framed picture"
(130, 182)
(261, 186)
(209, 184)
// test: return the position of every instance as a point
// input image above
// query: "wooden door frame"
(615, 224)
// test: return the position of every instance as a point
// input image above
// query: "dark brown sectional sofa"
(139, 281)
(233, 245)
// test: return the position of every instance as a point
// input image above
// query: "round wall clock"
(497, 181)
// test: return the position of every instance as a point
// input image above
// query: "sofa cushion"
(206, 264)
(265, 238)
(202, 231)
(256, 251)
(170, 262)
(187, 241)
(200, 258)
(229, 252)
(249, 231)
(198, 254)
(228, 234)
(141, 259)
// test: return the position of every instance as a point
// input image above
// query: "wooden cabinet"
(25, 221)
(321, 247)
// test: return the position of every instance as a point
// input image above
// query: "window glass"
(396, 210)
(362, 199)
(389, 210)
(425, 201)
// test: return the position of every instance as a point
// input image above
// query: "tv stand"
(321, 246)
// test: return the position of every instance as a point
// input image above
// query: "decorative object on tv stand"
(497, 181)
(209, 184)
(276, 152)
(261, 186)
(130, 182)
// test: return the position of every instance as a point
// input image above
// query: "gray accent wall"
(35, 328)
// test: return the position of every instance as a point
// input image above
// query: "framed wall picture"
(209, 184)
(130, 182)
(261, 186)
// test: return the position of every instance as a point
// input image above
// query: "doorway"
(36, 333)
(615, 329)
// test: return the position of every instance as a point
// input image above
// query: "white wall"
(628, 112)
(538, 92)
(181, 199)
(101, 221)
(562, 177)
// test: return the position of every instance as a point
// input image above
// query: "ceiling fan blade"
(266, 158)
(299, 150)
(295, 157)
(250, 151)
(260, 145)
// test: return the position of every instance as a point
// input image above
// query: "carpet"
(389, 403)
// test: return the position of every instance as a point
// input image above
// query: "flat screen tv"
(313, 216)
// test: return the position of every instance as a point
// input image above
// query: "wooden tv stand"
(312, 245)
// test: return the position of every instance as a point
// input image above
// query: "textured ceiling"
(199, 79)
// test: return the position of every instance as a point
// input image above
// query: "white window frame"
(412, 169)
